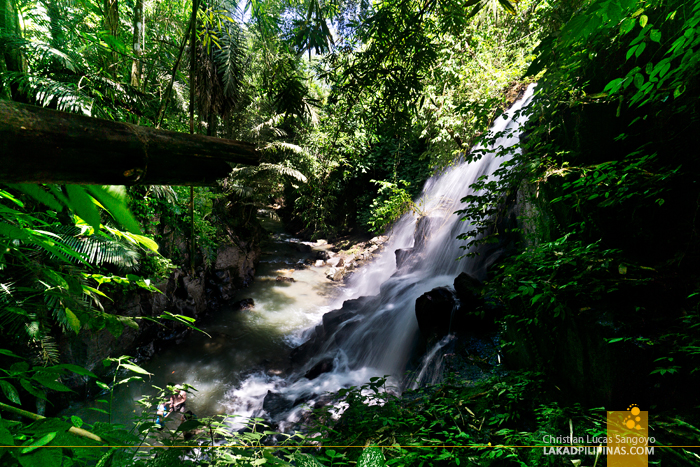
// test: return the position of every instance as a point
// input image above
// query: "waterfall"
(375, 331)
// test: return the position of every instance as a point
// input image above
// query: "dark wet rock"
(284, 279)
(334, 329)
(275, 403)
(333, 319)
(402, 254)
(300, 355)
(423, 227)
(468, 290)
(434, 312)
(323, 366)
(302, 247)
(323, 255)
(245, 304)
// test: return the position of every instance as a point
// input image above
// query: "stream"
(247, 356)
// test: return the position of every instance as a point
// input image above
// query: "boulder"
(319, 263)
(324, 366)
(336, 261)
(402, 254)
(245, 304)
(434, 311)
(334, 274)
(468, 290)
(275, 404)
(422, 232)
(284, 279)
(379, 240)
(323, 254)
(302, 247)
(333, 319)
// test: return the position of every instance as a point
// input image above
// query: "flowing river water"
(248, 353)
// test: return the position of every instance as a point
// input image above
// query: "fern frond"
(283, 170)
(45, 91)
(164, 192)
(41, 52)
(98, 249)
(46, 351)
(269, 127)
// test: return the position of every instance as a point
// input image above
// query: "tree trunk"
(38, 145)
(111, 22)
(58, 36)
(139, 35)
(9, 24)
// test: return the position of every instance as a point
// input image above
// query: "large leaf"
(371, 457)
(43, 441)
(114, 200)
(305, 460)
(9, 391)
(83, 205)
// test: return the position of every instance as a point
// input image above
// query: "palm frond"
(231, 61)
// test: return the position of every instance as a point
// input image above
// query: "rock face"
(342, 263)
(334, 329)
(434, 312)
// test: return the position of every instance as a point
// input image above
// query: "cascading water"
(376, 333)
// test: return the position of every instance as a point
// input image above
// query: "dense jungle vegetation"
(354, 104)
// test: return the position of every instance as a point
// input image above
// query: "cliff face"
(229, 268)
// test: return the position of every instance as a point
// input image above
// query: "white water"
(247, 356)
(384, 337)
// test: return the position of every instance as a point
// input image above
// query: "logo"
(628, 443)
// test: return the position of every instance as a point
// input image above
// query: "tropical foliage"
(353, 104)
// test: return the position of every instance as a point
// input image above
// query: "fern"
(47, 91)
(98, 249)
(41, 52)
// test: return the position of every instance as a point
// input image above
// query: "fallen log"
(39, 145)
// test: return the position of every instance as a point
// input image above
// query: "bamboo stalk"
(75, 430)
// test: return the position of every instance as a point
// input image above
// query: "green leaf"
(135, 368)
(73, 320)
(43, 441)
(640, 49)
(371, 457)
(8, 353)
(50, 382)
(77, 421)
(114, 200)
(83, 205)
(655, 35)
(39, 194)
(6, 438)
(305, 460)
(45, 457)
(76, 369)
(643, 20)
(10, 392)
(627, 25)
(27, 385)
